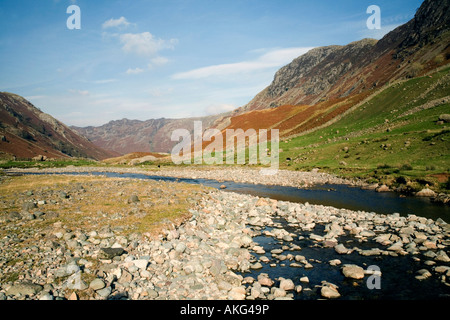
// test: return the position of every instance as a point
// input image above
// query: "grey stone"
(75, 282)
(180, 247)
(105, 292)
(26, 288)
(141, 263)
(133, 199)
(28, 206)
(97, 284)
(110, 253)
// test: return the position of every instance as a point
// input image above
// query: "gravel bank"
(207, 255)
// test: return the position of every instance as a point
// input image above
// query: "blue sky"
(144, 59)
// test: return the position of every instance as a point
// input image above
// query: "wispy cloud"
(274, 58)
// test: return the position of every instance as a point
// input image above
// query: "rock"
(237, 293)
(75, 282)
(105, 292)
(73, 296)
(256, 266)
(445, 118)
(315, 237)
(97, 284)
(180, 247)
(28, 206)
(133, 199)
(398, 246)
(278, 292)
(28, 216)
(304, 279)
(63, 195)
(287, 284)
(24, 289)
(110, 253)
(341, 249)
(382, 188)
(330, 292)
(442, 269)
(353, 271)
(223, 186)
(264, 280)
(256, 291)
(370, 252)
(13, 215)
(423, 274)
(46, 296)
(335, 262)
(141, 263)
(426, 193)
(126, 277)
(442, 256)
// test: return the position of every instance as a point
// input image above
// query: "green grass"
(377, 141)
(47, 164)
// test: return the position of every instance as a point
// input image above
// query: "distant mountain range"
(312, 91)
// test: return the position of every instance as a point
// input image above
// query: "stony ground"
(63, 237)
(235, 174)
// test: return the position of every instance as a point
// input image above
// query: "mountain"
(335, 72)
(154, 135)
(27, 132)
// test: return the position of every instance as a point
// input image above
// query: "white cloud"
(145, 43)
(115, 23)
(274, 58)
(135, 71)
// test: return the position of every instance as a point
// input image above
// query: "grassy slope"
(382, 144)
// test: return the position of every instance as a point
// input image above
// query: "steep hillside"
(400, 136)
(27, 132)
